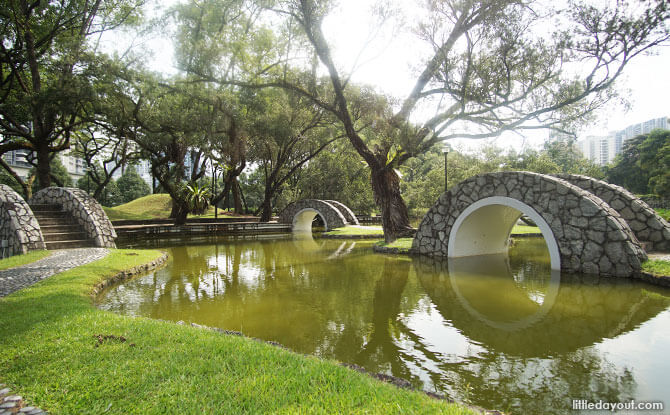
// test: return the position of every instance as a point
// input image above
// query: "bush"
(132, 186)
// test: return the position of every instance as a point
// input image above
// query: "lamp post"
(445, 150)
(216, 210)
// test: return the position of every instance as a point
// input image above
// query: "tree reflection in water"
(504, 334)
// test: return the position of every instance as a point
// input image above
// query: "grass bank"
(356, 231)
(17, 260)
(156, 206)
(657, 267)
(51, 355)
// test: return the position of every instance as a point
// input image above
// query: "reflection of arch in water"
(463, 268)
(581, 313)
(305, 243)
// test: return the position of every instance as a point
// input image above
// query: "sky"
(388, 58)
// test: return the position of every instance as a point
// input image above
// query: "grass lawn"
(525, 229)
(403, 244)
(657, 267)
(156, 206)
(664, 213)
(16, 260)
(50, 355)
(357, 230)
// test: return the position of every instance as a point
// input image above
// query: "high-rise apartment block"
(602, 149)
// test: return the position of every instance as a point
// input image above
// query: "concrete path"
(14, 279)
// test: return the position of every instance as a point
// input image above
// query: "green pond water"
(499, 332)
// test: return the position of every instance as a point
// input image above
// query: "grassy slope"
(48, 355)
(157, 206)
(148, 207)
(16, 260)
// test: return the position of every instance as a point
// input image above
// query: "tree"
(626, 170)
(47, 69)
(655, 161)
(58, 173)
(490, 71)
(132, 186)
(287, 133)
(171, 126)
(336, 173)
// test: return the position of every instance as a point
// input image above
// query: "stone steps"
(58, 228)
(78, 243)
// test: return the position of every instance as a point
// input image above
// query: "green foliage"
(59, 175)
(110, 195)
(252, 185)
(7, 179)
(655, 160)
(335, 174)
(423, 176)
(644, 164)
(132, 186)
(197, 197)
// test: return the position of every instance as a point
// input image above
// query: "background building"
(602, 149)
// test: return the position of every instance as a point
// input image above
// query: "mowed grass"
(525, 229)
(657, 267)
(357, 230)
(664, 213)
(16, 260)
(403, 244)
(156, 206)
(49, 354)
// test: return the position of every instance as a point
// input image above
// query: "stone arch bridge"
(583, 232)
(301, 213)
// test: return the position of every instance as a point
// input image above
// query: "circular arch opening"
(302, 221)
(483, 228)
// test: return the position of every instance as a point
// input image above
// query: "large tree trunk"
(386, 190)
(43, 167)
(266, 207)
(237, 201)
(179, 212)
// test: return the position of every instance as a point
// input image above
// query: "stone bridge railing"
(300, 214)
(19, 230)
(651, 229)
(84, 209)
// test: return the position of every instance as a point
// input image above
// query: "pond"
(499, 332)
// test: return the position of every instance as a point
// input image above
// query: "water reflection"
(505, 334)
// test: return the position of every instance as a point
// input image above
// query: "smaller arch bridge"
(583, 233)
(300, 214)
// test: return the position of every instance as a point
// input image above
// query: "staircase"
(60, 231)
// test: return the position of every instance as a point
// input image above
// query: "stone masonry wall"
(346, 212)
(591, 236)
(648, 226)
(84, 209)
(332, 215)
(18, 225)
